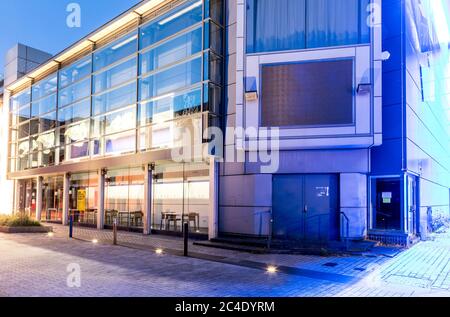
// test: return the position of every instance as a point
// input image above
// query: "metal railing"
(345, 237)
(269, 225)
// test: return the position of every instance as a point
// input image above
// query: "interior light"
(123, 43)
(180, 13)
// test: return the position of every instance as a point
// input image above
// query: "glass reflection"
(52, 199)
(124, 197)
(181, 194)
(83, 198)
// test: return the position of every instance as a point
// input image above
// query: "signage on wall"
(81, 199)
(387, 197)
(323, 191)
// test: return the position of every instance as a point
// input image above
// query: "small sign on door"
(387, 197)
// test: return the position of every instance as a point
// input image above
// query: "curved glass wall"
(133, 94)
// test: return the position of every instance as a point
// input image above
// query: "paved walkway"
(37, 265)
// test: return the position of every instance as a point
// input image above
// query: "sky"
(42, 23)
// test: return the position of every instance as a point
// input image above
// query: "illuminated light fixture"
(272, 269)
(121, 44)
(159, 251)
(180, 13)
(50, 234)
(94, 241)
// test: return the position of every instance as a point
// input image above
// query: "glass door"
(52, 199)
(412, 204)
(386, 206)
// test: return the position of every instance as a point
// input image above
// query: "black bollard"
(186, 237)
(71, 226)
(115, 231)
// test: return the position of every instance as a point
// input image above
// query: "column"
(213, 225)
(39, 198)
(65, 212)
(148, 200)
(101, 199)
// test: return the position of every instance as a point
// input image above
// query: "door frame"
(371, 224)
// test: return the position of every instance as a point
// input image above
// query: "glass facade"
(130, 95)
(301, 24)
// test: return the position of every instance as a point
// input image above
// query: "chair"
(192, 217)
(168, 218)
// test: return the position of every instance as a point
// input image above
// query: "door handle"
(305, 209)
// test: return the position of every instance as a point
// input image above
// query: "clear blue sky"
(42, 23)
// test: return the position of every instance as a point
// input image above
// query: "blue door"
(305, 207)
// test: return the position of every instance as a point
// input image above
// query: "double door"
(305, 207)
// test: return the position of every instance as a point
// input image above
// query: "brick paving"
(36, 265)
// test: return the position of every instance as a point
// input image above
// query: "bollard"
(115, 231)
(71, 226)
(186, 236)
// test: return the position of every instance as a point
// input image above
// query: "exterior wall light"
(364, 89)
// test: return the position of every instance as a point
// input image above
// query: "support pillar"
(39, 182)
(148, 200)
(101, 199)
(65, 211)
(213, 225)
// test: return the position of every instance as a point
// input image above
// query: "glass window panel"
(121, 142)
(97, 127)
(294, 94)
(175, 78)
(332, 23)
(212, 98)
(167, 134)
(214, 34)
(75, 72)
(34, 145)
(24, 113)
(298, 24)
(74, 113)
(77, 132)
(96, 147)
(171, 23)
(43, 106)
(172, 51)
(23, 163)
(275, 25)
(48, 121)
(19, 100)
(24, 147)
(215, 69)
(77, 150)
(74, 93)
(34, 159)
(123, 96)
(24, 130)
(34, 126)
(48, 157)
(115, 76)
(120, 121)
(167, 108)
(46, 141)
(215, 10)
(115, 51)
(44, 87)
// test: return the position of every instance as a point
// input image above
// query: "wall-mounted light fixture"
(364, 88)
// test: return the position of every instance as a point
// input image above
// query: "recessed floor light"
(272, 269)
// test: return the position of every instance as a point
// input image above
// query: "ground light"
(159, 251)
(50, 234)
(272, 269)
(95, 241)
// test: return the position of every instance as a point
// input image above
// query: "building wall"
(246, 191)
(427, 135)
(415, 132)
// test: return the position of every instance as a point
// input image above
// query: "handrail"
(269, 235)
(347, 228)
